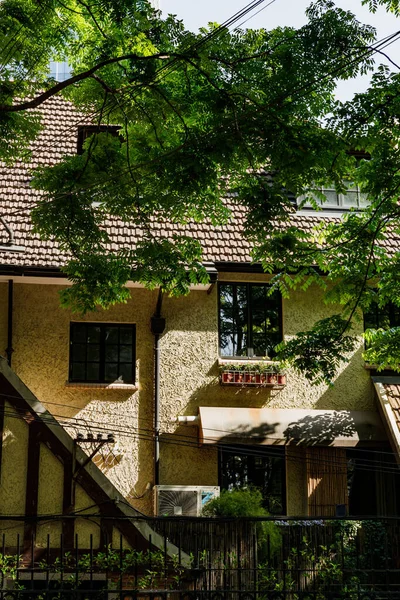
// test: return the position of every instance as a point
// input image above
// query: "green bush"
(246, 502)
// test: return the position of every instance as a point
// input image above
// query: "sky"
(197, 13)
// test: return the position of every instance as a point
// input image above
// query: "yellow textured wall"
(189, 379)
(13, 473)
(50, 493)
(189, 375)
(50, 496)
(41, 358)
(88, 530)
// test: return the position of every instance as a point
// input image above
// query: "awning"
(267, 426)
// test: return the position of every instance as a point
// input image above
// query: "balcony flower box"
(252, 375)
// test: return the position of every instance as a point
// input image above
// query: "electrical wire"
(371, 49)
(100, 410)
(195, 46)
(255, 14)
(383, 43)
(190, 442)
(374, 50)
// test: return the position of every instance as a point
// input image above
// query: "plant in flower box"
(252, 373)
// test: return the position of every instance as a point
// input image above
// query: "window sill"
(101, 386)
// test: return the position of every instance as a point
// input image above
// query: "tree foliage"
(201, 115)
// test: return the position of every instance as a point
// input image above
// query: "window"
(249, 320)
(382, 317)
(252, 466)
(373, 483)
(353, 198)
(102, 353)
(60, 71)
(86, 131)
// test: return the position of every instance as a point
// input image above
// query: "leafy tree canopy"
(201, 114)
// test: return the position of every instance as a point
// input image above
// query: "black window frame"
(85, 131)
(253, 453)
(393, 313)
(102, 352)
(250, 350)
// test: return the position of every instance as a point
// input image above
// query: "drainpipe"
(157, 328)
(10, 349)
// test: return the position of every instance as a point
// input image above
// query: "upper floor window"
(86, 131)
(102, 353)
(59, 70)
(352, 198)
(382, 317)
(250, 320)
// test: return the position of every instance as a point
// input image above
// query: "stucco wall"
(41, 358)
(13, 473)
(50, 491)
(189, 379)
(189, 375)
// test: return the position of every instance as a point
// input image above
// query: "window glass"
(381, 317)
(249, 320)
(251, 466)
(353, 198)
(102, 353)
(373, 483)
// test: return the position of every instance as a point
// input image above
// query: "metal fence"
(224, 559)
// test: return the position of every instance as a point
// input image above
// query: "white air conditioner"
(182, 500)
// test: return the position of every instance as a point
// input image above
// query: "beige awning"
(289, 426)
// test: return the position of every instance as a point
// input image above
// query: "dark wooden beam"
(94, 490)
(32, 486)
(68, 525)
(2, 408)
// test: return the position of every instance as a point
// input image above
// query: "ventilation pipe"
(10, 245)
(186, 420)
(157, 329)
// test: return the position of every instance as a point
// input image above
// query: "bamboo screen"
(326, 480)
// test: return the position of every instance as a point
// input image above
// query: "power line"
(255, 14)
(253, 4)
(188, 441)
(385, 42)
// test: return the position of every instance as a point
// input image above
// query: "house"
(139, 388)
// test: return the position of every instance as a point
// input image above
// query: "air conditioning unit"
(182, 500)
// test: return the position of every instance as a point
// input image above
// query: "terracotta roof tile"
(59, 138)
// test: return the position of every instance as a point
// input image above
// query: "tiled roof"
(59, 137)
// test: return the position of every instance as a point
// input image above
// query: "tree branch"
(62, 85)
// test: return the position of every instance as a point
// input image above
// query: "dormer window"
(352, 198)
(86, 131)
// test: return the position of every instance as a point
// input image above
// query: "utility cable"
(190, 442)
(388, 40)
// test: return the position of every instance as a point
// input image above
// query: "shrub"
(246, 502)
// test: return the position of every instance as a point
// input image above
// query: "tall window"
(373, 483)
(252, 466)
(102, 353)
(249, 320)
